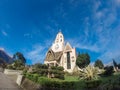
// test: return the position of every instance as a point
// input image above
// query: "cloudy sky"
(30, 27)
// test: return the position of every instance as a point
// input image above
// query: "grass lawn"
(108, 80)
(79, 84)
(71, 78)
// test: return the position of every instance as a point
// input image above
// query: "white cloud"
(4, 33)
(28, 35)
(37, 54)
(88, 47)
(117, 2)
(109, 55)
(107, 36)
(102, 36)
(77, 43)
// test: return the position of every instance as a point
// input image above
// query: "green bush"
(108, 71)
(57, 72)
(33, 77)
(43, 72)
(10, 67)
(40, 66)
(24, 71)
(54, 83)
(92, 83)
(59, 68)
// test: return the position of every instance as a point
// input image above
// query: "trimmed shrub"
(10, 67)
(35, 77)
(92, 83)
(57, 72)
(55, 83)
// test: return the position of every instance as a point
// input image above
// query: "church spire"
(59, 37)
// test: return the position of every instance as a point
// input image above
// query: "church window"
(72, 60)
(57, 40)
(68, 61)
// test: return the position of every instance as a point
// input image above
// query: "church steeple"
(58, 44)
(59, 38)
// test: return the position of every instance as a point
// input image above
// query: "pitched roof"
(53, 56)
(68, 47)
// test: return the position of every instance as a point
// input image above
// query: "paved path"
(6, 83)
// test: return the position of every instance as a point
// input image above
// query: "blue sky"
(30, 27)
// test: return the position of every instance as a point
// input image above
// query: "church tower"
(60, 54)
(58, 44)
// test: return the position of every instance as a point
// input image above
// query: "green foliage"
(19, 56)
(57, 68)
(108, 71)
(71, 78)
(89, 73)
(24, 71)
(52, 83)
(33, 77)
(83, 60)
(92, 83)
(10, 67)
(57, 72)
(111, 82)
(103, 83)
(40, 69)
(18, 63)
(53, 71)
(99, 64)
(40, 66)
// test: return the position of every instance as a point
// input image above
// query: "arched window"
(68, 61)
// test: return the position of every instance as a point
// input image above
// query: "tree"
(19, 56)
(99, 64)
(83, 60)
(108, 70)
(40, 66)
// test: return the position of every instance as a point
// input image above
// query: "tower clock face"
(56, 46)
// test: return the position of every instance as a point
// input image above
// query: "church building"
(61, 54)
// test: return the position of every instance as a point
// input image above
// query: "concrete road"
(6, 83)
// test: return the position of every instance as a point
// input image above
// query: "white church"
(61, 54)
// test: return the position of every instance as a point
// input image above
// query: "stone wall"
(12, 72)
(14, 75)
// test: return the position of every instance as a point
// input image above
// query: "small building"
(61, 54)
